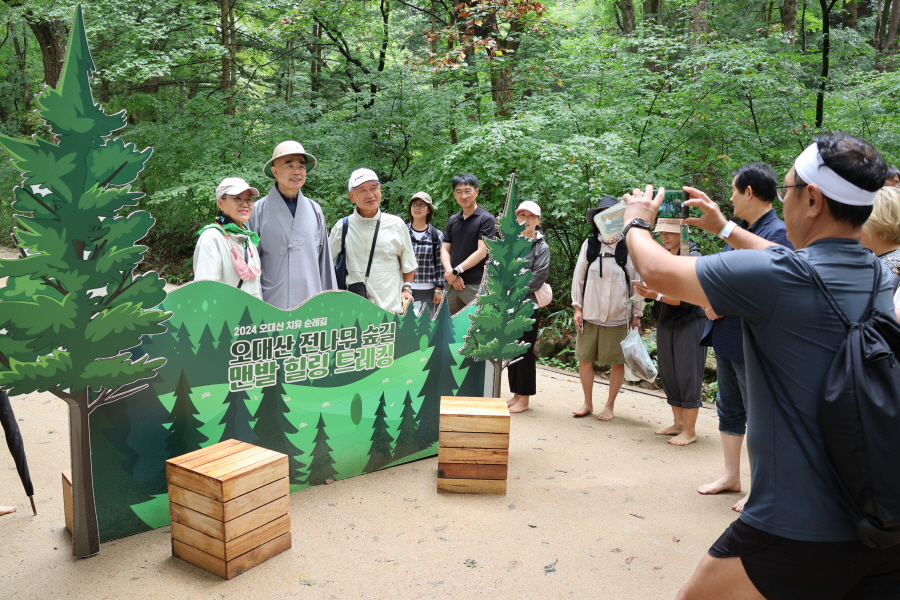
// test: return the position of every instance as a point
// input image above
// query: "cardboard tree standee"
(72, 305)
(502, 313)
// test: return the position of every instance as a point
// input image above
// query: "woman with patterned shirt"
(428, 283)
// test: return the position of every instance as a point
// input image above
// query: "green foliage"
(503, 314)
(73, 305)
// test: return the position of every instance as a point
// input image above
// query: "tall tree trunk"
(826, 50)
(315, 67)
(850, 14)
(894, 25)
(878, 26)
(699, 22)
(789, 19)
(51, 35)
(653, 10)
(228, 55)
(85, 532)
(20, 46)
(625, 15)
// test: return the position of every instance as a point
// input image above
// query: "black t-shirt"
(464, 235)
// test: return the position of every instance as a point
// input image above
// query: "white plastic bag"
(636, 356)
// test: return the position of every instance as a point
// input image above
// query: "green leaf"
(116, 163)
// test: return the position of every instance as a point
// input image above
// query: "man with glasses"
(463, 251)
(753, 189)
(795, 539)
(293, 239)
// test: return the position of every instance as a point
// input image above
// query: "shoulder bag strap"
(372, 250)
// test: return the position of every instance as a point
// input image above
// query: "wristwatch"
(641, 223)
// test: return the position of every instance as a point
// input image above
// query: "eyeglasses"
(781, 194)
(418, 205)
(239, 200)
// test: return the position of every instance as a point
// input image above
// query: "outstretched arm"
(667, 274)
(713, 221)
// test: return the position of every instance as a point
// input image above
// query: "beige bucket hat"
(289, 147)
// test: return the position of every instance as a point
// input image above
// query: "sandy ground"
(593, 510)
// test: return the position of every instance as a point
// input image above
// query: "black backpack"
(859, 418)
(593, 253)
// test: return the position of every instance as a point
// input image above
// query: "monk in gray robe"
(293, 239)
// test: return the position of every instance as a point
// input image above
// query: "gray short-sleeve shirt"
(798, 333)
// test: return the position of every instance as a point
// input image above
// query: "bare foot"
(722, 484)
(520, 406)
(683, 439)
(585, 409)
(606, 414)
(671, 430)
(512, 400)
(739, 505)
(5, 510)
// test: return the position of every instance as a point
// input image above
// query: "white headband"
(810, 168)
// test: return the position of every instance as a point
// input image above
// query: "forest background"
(581, 98)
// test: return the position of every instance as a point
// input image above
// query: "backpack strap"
(435, 246)
(344, 234)
(372, 249)
(811, 270)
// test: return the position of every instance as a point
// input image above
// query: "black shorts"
(783, 569)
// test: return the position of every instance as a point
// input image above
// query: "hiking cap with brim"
(286, 148)
(667, 225)
(424, 197)
(605, 202)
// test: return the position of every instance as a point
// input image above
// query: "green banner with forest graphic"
(339, 385)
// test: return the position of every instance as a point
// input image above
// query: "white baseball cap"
(361, 176)
(286, 148)
(234, 186)
(531, 207)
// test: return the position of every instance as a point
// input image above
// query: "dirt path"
(593, 510)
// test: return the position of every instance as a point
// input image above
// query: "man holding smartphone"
(795, 539)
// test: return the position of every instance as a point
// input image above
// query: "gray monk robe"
(296, 257)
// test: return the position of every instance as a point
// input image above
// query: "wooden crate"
(229, 506)
(67, 498)
(473, 445)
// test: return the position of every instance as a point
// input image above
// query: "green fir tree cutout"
(72, 304)
(502, 313)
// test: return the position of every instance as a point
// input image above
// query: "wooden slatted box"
(229, 506)
(473, 445)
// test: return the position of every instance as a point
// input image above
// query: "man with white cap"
(794, 539)
(296, 259)
(378, 248)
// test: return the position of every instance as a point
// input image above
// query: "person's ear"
(749, 192)
(816, 200)
(220, 202)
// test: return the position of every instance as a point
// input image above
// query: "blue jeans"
(730, 398)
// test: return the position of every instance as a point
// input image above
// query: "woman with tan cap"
(428, 283)
(681, 357)
(227, 250)
(296, 258)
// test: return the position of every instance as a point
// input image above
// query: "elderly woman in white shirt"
(227, 249)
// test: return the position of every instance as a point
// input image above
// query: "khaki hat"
(286, 148)
(667, 225)
(424, 197)
(234, 186)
